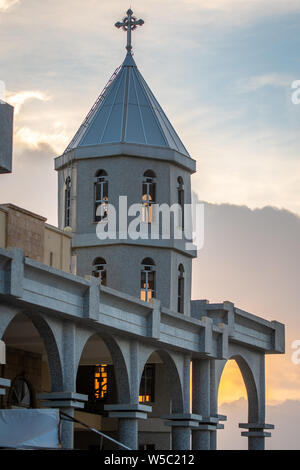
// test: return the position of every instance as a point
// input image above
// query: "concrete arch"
(48, 337)
(175, 378)
(252, 387)
(7, 314)
(119, 362)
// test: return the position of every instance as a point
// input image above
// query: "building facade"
(6, 137)
(104, 328)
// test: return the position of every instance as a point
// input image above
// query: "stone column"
(4, 383)
(63, 394)
(256, 425)
(67, 402)
(128, 430)
(69, 364)
(181, 437)
(128, 416)
(256, 434)
(182, 424)
(201, 403)
(213, 404)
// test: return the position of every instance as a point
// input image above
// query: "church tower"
(126, 147)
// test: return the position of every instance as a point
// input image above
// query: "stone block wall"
(25, 230)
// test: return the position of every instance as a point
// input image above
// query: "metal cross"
(129, 24)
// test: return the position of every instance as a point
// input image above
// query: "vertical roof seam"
(125, 107)
(139, 106)
(111, 109)
(151, 108)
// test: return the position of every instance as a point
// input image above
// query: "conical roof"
(127, 112)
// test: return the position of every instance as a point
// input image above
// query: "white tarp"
(31, 428)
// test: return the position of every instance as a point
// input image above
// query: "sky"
(223, 72)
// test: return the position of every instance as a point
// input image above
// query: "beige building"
(20, 228)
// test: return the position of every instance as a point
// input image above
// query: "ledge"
(207, 333)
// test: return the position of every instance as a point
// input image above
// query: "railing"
(101, 434)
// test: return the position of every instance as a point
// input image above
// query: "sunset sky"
(223, 72)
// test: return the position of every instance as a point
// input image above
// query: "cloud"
(285, 417)
(34, 139)
(18, 99)
(33, 183)
(232, 12)
(260, 81)
(36, 127)
(6, 4)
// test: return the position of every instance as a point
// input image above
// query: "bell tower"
(125, 153)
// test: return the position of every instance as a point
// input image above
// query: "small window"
(148, 195)
(180, 306)
(147, 280)
(180, 193)
(68, 202)
(147, 386)
(101, 196)
(100, 382)
(99, 270)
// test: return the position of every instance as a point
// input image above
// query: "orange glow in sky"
(232, 386)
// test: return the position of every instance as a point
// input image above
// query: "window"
(180, 191)
(101, 196)
(148, 195)
(99, 270)
(148, 280)
(180, 306)
(21, 394)
(147, 386)
(68, 202)
(100, 382)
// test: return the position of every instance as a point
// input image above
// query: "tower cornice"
(125, 149)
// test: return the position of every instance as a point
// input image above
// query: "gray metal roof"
(127, 112)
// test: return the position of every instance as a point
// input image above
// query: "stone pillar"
(201, 403)
(128, 416)
(213, 404)
(66, 402)
(213, 434)
(256, 425)
(181, 438)
(213, 438)
(182, 424)
(69, 398)
(128, 431)
(4, 384)
(61, 353)
(256, 434)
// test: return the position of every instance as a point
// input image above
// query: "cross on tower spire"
(129, 24)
